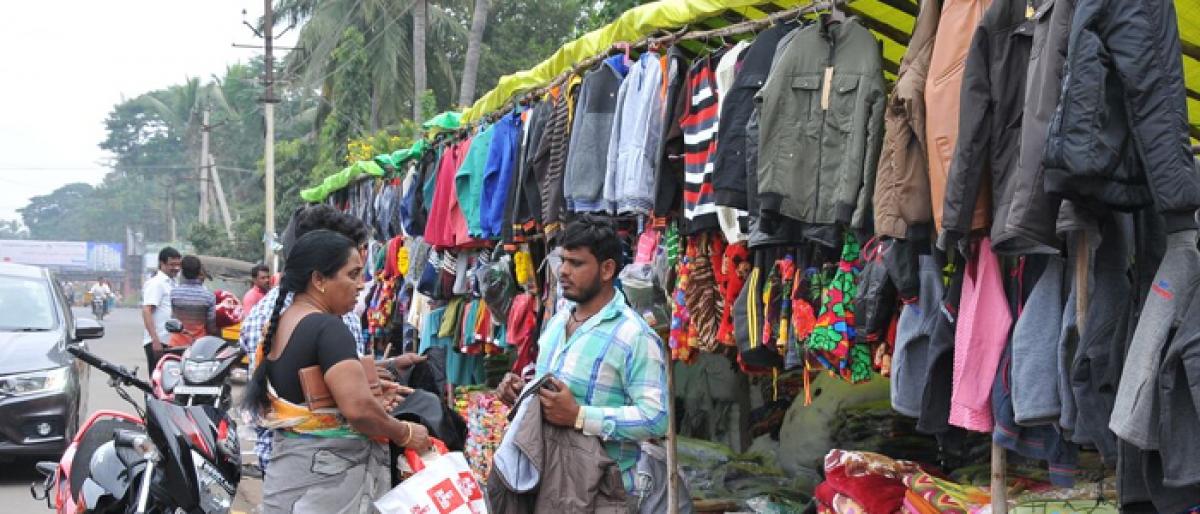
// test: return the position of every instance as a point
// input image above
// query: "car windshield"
(25, 304)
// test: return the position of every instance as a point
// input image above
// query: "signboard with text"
(64, 255)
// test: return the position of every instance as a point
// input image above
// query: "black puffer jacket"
(1119, 138)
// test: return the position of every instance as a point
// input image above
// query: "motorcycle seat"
(97, 434)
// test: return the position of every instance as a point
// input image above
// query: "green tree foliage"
(351, 81)
(351, 103)
(13, 229)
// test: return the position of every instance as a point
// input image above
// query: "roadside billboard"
(64, 255)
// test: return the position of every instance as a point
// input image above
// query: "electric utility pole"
(268, 100)
(204, 200)
(269, 149)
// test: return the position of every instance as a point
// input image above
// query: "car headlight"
(216, 493)
(35, 382)
(197, 372)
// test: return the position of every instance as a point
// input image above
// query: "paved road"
(121, 344)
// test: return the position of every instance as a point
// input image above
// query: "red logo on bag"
(446, 497)
(467, 484)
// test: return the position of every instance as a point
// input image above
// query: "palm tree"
(180, 107)
(390, 50)
(466, 95)
(420, 74)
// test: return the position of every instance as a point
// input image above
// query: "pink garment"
(979, 339)
(646, 247)
(447, 227)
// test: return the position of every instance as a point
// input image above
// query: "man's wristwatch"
(579, 420)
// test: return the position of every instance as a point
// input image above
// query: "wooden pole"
(999, 481)
(672, 460)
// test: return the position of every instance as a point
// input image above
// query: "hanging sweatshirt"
(468, 182)
(629, 179)
(587, 157)
(700, 142)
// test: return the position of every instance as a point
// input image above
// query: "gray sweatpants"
(325, 475)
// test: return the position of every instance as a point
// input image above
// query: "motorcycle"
(198, 373)
(165, 459)
(99, 307)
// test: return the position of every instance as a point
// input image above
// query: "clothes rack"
(660, 41)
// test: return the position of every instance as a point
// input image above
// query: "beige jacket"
(943, 88)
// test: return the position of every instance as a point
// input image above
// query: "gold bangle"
(579, 419)
(408, 437)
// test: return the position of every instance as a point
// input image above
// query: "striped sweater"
(700, 145)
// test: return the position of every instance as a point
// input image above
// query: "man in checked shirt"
(608, 366)
(304, 221)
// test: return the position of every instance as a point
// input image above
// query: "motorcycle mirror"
(174, 326)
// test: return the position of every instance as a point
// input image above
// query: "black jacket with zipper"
(1119, 138)
(993, 96)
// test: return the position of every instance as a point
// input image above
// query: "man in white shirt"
(156, 305)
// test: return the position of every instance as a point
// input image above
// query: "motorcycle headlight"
(216, 493)
(35, 382)
(197, 372)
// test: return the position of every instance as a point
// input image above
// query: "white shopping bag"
(443, 484)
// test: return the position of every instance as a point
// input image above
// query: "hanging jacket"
(730, 170)
(539, 467)
(1124, 55)
(1096, 367)
(629, 175)
(668, 168)
(447, 227)
(902, 182)
(989, 130)
(528, 204)
(1179, 403)
(557, 147)
(1029, 227)
(733, 221)
(943, 88)
(700, 141)
(821, 123)
(583, 180)
(498, 174)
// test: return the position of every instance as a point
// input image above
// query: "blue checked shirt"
(616, 368)
(251, 335)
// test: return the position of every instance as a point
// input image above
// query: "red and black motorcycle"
(167, 459)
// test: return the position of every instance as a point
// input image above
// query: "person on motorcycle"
(323, 461)
(100, 293)
(193, 304)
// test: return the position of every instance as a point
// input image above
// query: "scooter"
(198, 373)
(166, 459)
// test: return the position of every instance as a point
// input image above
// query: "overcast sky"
(64, 65)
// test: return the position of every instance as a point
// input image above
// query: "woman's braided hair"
(320, 251)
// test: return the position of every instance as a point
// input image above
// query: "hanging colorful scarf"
(703, 297)
(735, 267)
(832, 342)
(680, 320)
